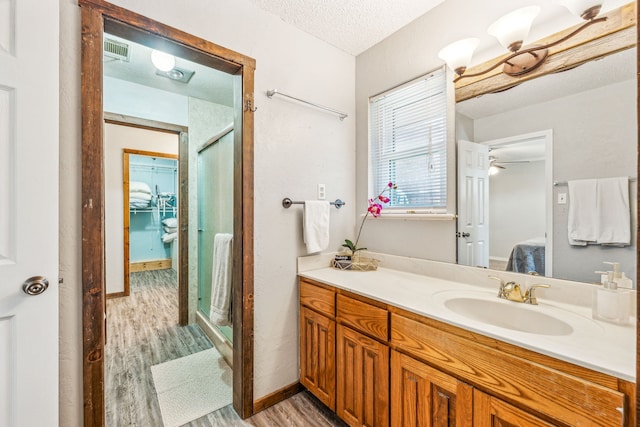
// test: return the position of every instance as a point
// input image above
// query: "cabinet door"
(424, 396)
(317, 355)
(363, 379)
(489, 411)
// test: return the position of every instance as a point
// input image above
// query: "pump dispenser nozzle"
(616, 269)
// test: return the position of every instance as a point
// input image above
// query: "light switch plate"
(562, 198)
(322, 194)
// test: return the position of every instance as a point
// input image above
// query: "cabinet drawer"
(563, 397)
(318, 298)
(366, 318)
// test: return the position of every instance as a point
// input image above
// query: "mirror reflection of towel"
(614, 215)
(583, 220)
(599, 212)
(221, 286)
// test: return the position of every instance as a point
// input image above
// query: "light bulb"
(457, 55)
(513, 28)
(162, 61)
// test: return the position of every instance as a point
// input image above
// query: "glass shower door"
(215, 212)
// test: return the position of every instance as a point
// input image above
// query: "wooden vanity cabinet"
(377, 365)
(362, 363)
(489, 411)
(317, 342)
(363, 379)
(422, 396)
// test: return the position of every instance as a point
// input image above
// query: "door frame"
(96, 16)
(545, 135)
(183, 138)
(183, 260)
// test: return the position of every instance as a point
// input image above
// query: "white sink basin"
(509, 316)
(483, 307)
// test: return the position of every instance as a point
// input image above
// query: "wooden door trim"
(96, 15)
(183, 259)
(182, 132)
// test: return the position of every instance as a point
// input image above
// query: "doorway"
(98, 17)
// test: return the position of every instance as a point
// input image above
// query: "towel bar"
(287, 202)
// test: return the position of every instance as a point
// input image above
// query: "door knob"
(35, 285)
(459, 234)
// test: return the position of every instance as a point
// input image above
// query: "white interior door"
(473, 204)
(29, 49)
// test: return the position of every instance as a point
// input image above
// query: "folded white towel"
(169, 237)
(613, 212)
(583, 215)
(221, 285)
(139, 195)
(316, 225)
(138, 186)
(170, 229)
(170, 222)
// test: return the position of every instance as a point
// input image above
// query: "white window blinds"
(409, 143)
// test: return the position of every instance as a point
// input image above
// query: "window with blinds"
(408, 131)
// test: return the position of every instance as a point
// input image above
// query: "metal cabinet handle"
(35, 285)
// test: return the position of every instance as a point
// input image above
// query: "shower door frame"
(96, 16)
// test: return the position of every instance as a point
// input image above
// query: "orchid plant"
(375, 208)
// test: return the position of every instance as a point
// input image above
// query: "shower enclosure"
(215, 212)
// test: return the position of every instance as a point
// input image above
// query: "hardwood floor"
(142, 331)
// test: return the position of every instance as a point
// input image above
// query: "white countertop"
(597, 345)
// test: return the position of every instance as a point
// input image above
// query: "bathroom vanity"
(402, 349)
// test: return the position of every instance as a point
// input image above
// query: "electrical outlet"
(322, 194)
(562, 198)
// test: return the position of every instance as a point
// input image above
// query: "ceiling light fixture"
(511, 30)
(162, 61)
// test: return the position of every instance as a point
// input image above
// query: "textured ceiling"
(350, 25)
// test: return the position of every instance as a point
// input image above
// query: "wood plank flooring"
(142, 331)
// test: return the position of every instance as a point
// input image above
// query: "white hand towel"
(613, 212)
(316, 225)
(221, 286)
(583, 215)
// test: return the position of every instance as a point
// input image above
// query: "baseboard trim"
(157, 264)
(276, 397)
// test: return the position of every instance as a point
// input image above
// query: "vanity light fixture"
(511, 30)
(162, 61)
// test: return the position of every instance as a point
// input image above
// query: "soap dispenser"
(619, 277)
(611, 304)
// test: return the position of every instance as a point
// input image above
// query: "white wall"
(135, 100)
(516, 207)
(296, 147)
(116, 139)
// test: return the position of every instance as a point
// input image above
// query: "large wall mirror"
(574, 125)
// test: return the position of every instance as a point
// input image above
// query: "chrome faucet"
(512, 291)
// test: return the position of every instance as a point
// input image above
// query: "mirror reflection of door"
(132, 155)
(151, 226)
(473, 204)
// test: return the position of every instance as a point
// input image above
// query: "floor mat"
(192, 386)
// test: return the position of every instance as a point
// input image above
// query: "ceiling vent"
(117, 50)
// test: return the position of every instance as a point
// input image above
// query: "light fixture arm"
(533, 49)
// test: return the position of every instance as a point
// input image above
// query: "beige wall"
(296, 147)
(116, 139)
